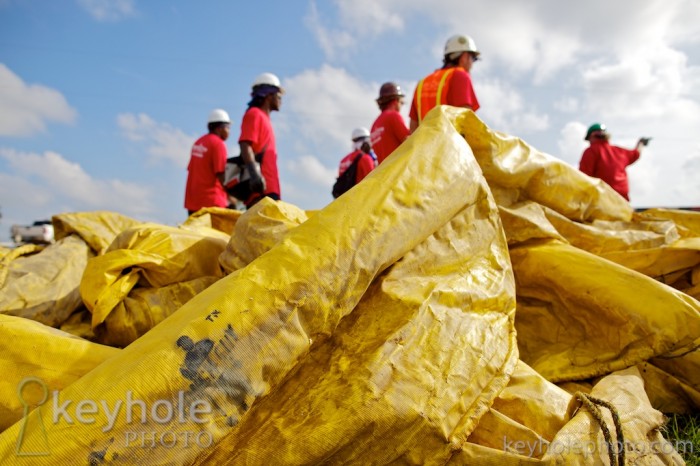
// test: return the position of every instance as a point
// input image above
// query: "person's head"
(219, 123)
(361, 140)
(597, 132)
(390, 95)
(460, 50)
(266, 92)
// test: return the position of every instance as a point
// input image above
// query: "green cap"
(593, 128)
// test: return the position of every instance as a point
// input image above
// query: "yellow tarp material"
(29, 349)
(530, 409)
(380, 329)
(217, 218)
(420, 359)
(259, 229)
(241, 337)
(144, 308)
(580, 441)
(80, 324)
(97, 228)
(599, 317)
(175, 263)
(668, 392)
(685, 369)
(688, 221)
(509, 163)
(676, 264)
(9, 255)
(654, 246)
(43, 286)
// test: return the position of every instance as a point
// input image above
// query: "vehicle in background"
(40, 231)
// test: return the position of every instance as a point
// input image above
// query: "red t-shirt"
(388, 132)
(203, 189)
(256, 128)
(460, 93)
(609, 163)
(364, 165)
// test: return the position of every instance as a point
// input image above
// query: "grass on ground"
(683, 431)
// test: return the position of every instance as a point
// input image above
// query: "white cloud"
(369, 17)
(571, 144)
(161, 141)
(644, 82)
(330, 41)
(357, 19)
(325, 105)
(25, 109)
(109, 10)
(567, 104)
(308, 167)
(502, 107)
(49, 178)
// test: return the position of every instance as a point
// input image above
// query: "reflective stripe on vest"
(432, 91)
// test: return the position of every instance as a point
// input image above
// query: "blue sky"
(101, 100)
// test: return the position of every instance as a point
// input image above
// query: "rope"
(591, 403)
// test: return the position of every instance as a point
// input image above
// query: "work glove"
(257, 182)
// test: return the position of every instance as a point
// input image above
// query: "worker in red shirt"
(205, 172)
(451, 84)
(362, 147)
(257, 139)
(607, 162)
(389, 129)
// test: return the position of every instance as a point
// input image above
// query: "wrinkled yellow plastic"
(382, 328)
(145, 307)
(581, 316)
(687, 219)
(420, 359)
(264, 319)
(155, 256)
(509, 162)
(258, 230)
(217, 218)
(97, 228)
(581, 440)
(43, 286)
(31, 349)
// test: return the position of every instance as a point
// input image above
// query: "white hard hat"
(358, 133)
(460, 43)
(218, 116)
(269, 79)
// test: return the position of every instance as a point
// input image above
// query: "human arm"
(257, 182)
(637, 152)
(398, 127)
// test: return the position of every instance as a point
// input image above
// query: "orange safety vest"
(432, 91)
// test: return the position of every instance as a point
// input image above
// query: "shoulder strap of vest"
(444, 75)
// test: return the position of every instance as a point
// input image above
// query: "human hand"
(257, 182)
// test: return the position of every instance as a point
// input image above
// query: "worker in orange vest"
(449, 85)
